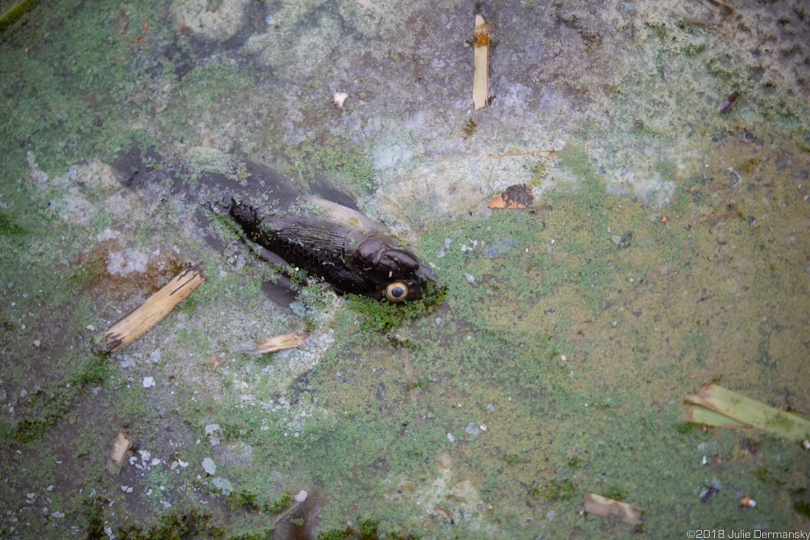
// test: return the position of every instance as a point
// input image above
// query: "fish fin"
(132, 166)
(323, 188)
(263, 182)
(283, 292)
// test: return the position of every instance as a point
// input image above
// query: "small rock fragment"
(301, 496)
(708, 493)
(517, 196)
(209, 466)
(339, 98)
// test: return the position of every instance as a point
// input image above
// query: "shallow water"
(667, 248)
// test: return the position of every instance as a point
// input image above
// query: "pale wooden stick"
(151, 312)
(120, 446)
(279, 343)
(481, 66)
(602, 506)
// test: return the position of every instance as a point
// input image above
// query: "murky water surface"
(667, 248)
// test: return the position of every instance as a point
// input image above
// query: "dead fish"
(326, 237)
(331, 240)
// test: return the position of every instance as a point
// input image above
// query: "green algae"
(604, 418)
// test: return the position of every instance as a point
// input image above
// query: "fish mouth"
(426, 283)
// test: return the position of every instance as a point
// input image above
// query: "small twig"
(279, 343)
(724, 4)
(716, 217)
(213, 361)
(700, 22)
(285, 512)
(520, 153)
(481, 63)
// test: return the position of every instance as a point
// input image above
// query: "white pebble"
(209, 466)
(339, 98)
(301, 496)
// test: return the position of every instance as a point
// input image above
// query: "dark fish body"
(334, 241)
(338, 243)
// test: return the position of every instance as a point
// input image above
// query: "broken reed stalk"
(152, 311)
(264, 346)
(701, 415)
(481, 67)
(791, 426)
(11, 15)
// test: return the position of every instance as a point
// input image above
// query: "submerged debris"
(728, 101)
(213, 361)
(708, 493)
(444, 513)
(517, 196)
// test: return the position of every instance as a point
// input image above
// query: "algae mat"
(667, 248)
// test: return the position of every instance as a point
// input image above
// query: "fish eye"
(396, 292)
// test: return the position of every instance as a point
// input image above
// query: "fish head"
(398, 274)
